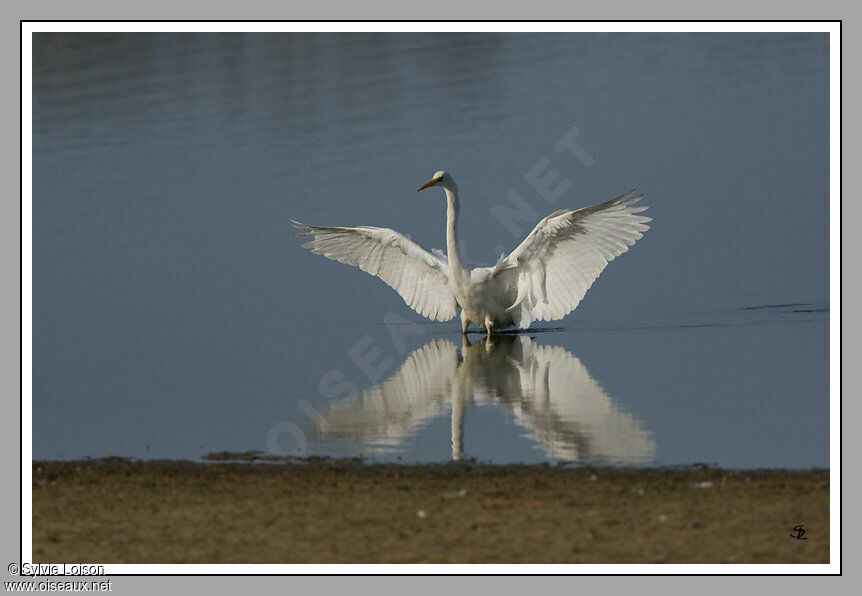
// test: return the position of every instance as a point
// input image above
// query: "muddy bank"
(344, 511)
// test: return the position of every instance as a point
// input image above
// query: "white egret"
(545, 389)
(543, 279)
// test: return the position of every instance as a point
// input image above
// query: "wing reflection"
(545, 388)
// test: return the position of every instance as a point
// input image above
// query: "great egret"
(545, 389)
(543, 279)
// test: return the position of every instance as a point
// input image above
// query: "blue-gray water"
(174, 313)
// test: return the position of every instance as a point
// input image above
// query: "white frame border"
(831, 27)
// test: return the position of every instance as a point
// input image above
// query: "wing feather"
(420, 278)
(387, 413)
(551, 271)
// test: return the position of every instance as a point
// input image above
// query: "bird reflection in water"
(545, 388)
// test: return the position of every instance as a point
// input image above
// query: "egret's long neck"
(452, 209)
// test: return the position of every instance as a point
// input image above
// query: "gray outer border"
(342, 9)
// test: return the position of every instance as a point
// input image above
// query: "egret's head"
(441, 178)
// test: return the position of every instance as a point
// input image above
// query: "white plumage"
(420, 278)
(543, 279)
(546, 390)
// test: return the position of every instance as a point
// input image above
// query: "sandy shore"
(328, 511)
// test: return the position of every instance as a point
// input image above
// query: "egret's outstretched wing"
(549, 273)
(387, 413)
(569, 413)
(421, 278)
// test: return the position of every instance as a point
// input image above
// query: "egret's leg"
(489, 343)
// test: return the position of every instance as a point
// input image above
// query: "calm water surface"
(176, 315)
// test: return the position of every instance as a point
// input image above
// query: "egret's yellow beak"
(431, 182)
